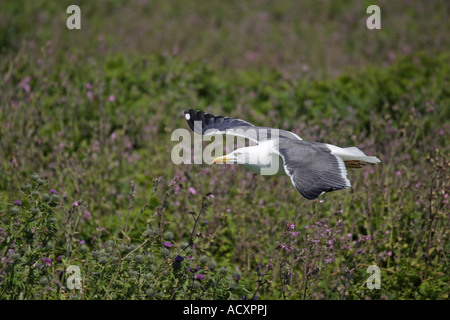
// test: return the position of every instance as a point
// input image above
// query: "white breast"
(262, 159)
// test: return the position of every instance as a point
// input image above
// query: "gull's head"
(254, 157)
(238, 156)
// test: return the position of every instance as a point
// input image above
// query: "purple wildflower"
(25, 84)
(168, 244)
(328, 260)
(179, 258)
(192, 190)
(90, 95)
(87, 214)
(53, 191)
(46, 261)
(17, 202)
(199, 276)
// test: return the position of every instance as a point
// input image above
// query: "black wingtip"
(189, 111)
(211, 121)
(192, 115)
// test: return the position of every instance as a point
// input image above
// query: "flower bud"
(212, 264)
(223, 270)
(204, 259)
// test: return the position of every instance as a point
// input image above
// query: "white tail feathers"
(351, 153)
(370, 159)
(354, 151)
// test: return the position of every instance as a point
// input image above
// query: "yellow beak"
(220, 160)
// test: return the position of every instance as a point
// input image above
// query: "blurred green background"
(91, 110)
(319, 38)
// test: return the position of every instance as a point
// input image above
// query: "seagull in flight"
(313, 167)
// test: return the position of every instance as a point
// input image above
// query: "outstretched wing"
(209, 124)
(312, 168)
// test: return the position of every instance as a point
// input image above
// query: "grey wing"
(209, 124)
(312, 168)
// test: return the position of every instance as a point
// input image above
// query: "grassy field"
(86, 177)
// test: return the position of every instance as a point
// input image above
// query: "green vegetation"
(86, 176)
